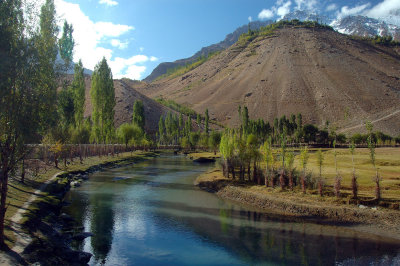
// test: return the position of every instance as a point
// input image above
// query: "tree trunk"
(291, 180)
(23, 171)
(3, 197)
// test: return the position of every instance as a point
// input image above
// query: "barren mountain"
(320, 73)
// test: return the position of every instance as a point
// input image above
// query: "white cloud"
(250, 19)
(153, 59)
(388, 10)
(331, 7)
(141, 49)
(306, 4)
(108, 2)
(117, 43)
(284, 9)
(127, 67)
(346, 11)
(89, 37)
(266, 14)
(135, 72)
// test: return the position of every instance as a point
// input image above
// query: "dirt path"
(373, 121)
(22, 239)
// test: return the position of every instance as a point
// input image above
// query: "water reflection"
(154, 215)
(101, 224)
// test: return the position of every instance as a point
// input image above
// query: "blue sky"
(136, 35)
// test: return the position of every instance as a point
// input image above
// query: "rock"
(374, 208)
(362, 206)
(81, 236)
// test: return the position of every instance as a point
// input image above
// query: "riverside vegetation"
(42, 108)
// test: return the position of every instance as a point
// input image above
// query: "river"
(150, 213)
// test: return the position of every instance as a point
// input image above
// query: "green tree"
(23, 94)
(78, 88)
(66, 108)
(206, 121)
(371, 147)
(214, 141)
(320, 160)
(354, 185)
(138, 117)
(66, 43)
(304, 155)
(268, 158)
(161, 129)
(130, 133)
(103, 102)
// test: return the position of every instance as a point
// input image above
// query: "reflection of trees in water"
(102, 225)
(279, 244)
(78, 210)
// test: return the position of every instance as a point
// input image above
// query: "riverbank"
(312, 208)
(34, 229)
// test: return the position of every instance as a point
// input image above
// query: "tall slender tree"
(78, 89)
(103, 102)
(138, 117)
(66, 44)
(206, 122)
(24, 95)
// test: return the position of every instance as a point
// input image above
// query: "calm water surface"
(150, 213)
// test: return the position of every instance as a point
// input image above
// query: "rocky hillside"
(323, 74)
(205, 51)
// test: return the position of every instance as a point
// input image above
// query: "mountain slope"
(125, 97)
(228, 41)
(321, 73)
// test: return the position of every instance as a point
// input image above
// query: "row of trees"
(244, 149)
(38, 103)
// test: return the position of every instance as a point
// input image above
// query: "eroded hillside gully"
(152, 213)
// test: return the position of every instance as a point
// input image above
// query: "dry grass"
(388, 164)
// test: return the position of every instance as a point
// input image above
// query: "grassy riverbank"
(374, 219)
(20, 193)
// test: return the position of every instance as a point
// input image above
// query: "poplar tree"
(66, 43)
(47, 48)
(206, 121)
(78, 89)
(103, 102)
(138, 117)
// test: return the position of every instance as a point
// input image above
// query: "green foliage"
(66, 107)
(206, 121)
(214, 140)
(268, 154)
(371, 144)
(130, 133)
(378, 40)
(304, 155)
(78, 88)
(177, 107)
(320, 160)
(103, 102)
(66, 43)
(138, 117)
(270, 29)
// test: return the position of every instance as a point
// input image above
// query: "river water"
(150, 213)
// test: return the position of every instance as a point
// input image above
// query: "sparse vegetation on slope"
(180, 70)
